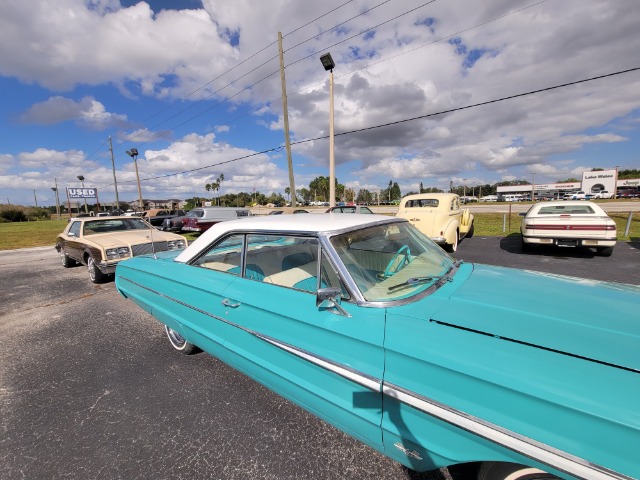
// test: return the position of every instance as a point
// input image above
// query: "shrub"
(13, 215)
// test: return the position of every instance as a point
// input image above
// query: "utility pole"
(35, 198)
(285, 114)
(55, 189)
(113, 165)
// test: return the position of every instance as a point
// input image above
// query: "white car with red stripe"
(569, 224)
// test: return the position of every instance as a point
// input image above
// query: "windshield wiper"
(415, 281)
(441, 279)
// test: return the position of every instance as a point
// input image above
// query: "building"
(592, 182)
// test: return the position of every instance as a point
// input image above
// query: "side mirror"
(523, 214)
(329, 299)
(71, 234)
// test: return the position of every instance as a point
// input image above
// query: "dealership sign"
(74, 193)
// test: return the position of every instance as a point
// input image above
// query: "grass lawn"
(44, 233)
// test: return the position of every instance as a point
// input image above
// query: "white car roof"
(299, 223)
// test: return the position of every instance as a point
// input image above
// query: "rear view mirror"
(329, 299)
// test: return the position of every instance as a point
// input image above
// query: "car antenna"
(153, 245)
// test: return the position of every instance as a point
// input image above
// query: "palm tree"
(219, 184)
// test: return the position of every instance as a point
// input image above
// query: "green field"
(43, 233)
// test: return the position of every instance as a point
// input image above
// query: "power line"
(384, 59)
(130, 138)
(466, 107)
(338, 25)
(364, 31)
(142, 122)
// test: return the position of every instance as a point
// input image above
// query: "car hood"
(591, 319)
(132, 237)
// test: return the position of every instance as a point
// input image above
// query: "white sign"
(594, 182)
(81, 192)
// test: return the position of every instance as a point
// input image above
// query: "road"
(89, 388)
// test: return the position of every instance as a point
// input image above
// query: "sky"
(420, 89)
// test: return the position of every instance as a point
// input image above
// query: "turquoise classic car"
(368, 324)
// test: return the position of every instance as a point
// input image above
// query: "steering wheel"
(390, 270)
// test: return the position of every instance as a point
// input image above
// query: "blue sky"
(194, 85)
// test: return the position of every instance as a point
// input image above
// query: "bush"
(13, 215)
(38, 213)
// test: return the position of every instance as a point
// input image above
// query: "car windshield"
(391, 261)
(114, 225)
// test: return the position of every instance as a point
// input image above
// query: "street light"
(329, 65)
(133, 153)
(86, 209)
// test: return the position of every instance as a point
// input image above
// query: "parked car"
(202, 218)
(365, 322)
(101, 242)
(349, 209)
(603, 194)
(568, 224)
(439, 216)
(156, 216)
(489, 198)
(581, 195)
(174, 224)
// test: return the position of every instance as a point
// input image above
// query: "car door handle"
(227, 303)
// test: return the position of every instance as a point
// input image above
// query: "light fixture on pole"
(133, 153)
(86, 209)
(329, 65)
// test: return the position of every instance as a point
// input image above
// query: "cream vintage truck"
(439, 216)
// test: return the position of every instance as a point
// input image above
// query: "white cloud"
(87, 112)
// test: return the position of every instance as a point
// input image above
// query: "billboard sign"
(74, 193)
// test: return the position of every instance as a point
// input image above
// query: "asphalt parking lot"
(90, 389)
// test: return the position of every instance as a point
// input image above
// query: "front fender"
(451, 230)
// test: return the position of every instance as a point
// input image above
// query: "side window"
(224, 256)
(75, 228)
(286, 261)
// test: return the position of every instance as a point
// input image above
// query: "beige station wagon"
(439, 216)
(101, 242)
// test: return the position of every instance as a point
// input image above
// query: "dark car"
(173, 224)
(156, 216)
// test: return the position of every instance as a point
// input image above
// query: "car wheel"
(179, 343)
(67, 262)
(605, 251)
(511, 471)
(95, 275)
(453, 247)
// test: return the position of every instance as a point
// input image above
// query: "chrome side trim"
(361, 378)
(355, 376)
(528, 447)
